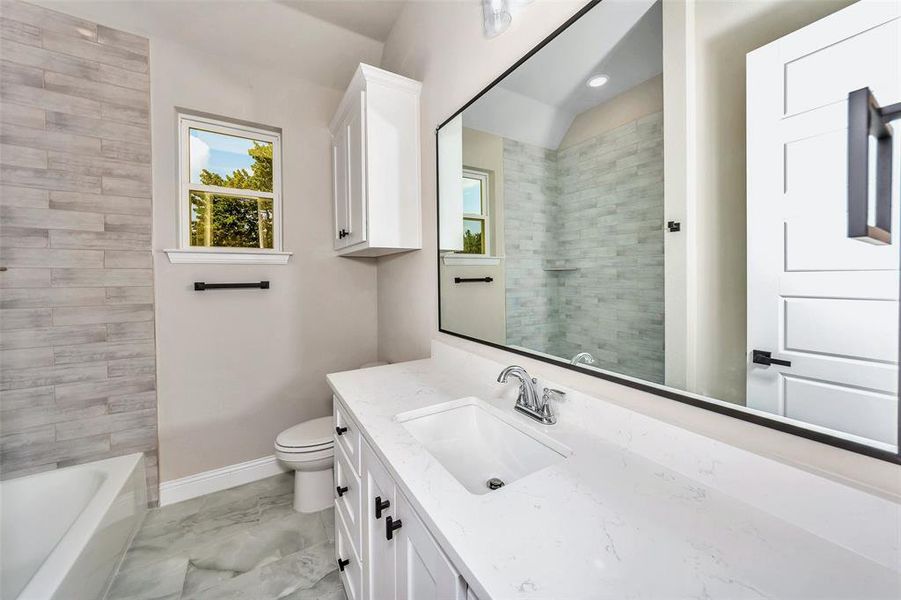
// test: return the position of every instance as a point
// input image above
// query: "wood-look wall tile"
(50, 20)
(108, 55)
(11, 72)
(123, 186)
(24, 318)
(52, 257)
(130, 331)
(121, 39)
(25, 358)
(12, 379)
(23, 237)
(24, 116)
(139, 153)
(86, 315)
(140, 439)
(100, 277)
(40, 58)
(98, 166)
(22, 156)
(63, 355)
(125, 114)
(129, 223)
(49, 179)
(24, 278)
(73, 393)
(100, 240)
(127, 295)
(48, 218)
(50, 297)
(97, 127)
(131, 367)
(24, 197)
(29, 397)
(105, 424)
(19, 32)
(123, 259)
(53, 336)
(132, 402)
(100, 203)
(47, 99)
(16, 135)
(121, 77)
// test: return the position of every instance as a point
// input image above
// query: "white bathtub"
(63, 532)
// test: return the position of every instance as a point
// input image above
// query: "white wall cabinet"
(410, 565)
(376, 165)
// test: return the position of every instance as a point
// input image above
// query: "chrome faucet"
(583, 357)
(528, 402)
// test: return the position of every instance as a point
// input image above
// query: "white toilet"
(308, 449)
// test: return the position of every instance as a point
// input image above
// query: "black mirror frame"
(670, 394)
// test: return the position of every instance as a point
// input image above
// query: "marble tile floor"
(245, 543)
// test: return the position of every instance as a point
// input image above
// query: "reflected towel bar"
(473, 279)
(200, 286)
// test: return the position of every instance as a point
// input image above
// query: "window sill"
(470, 260)
(227, 257)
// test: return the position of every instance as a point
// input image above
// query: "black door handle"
(380, 505)
(762, 357)
(343, 562)
(391, 526)
(341, 490)
(340, 430)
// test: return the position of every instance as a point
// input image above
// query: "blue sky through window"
(221, 154)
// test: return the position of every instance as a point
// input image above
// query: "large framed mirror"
(680, 225)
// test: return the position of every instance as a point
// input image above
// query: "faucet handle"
(551, 393)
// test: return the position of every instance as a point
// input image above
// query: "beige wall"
(236, 367)
(478, 310)
(636, 102)
(441, 44)
(724, 33)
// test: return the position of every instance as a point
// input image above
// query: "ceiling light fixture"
(596, 81)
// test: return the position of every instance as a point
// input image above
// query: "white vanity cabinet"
(376, 165)
(408, 566)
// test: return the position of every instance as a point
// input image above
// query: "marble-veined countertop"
(641, 509)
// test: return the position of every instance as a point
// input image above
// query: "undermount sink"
(481, 446)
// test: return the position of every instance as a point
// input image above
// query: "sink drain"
(495, 483)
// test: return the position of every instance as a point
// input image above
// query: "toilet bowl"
(308, 449)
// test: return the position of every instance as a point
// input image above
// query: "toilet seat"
(308, 441)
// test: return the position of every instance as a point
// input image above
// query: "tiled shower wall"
(601, 216)
(76, 304)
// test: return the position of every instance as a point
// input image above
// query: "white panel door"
(356, 158)
(824, 302)
(379, 551)
(423, 571)
(339, 186)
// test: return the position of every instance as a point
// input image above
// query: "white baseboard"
(217, 480)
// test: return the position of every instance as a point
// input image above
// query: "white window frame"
(186, 253)
(485, 215)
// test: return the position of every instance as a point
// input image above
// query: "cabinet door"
(422, 570)
(355, 129)
(379, 551)
(339, 185)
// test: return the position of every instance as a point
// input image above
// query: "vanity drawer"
(348, 502)
(352, 574)
(347, 436)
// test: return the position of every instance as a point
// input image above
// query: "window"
(475, 212)
(230, 191)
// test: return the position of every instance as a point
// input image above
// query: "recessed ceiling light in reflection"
(596, 81)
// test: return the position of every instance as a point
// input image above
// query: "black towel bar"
(200, 286)
(473, 279)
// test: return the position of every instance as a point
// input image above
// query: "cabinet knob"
(391, 525)
(380, 505)
(343, 562)
(340, 430)
(342, 490)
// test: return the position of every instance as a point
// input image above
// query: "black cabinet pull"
(762, 357)
(391, 525)
(342, 490)
(343, 562)
(380, 505)
(340, 430)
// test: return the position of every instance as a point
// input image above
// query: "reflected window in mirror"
(475, 212)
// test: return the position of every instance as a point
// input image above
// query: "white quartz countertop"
(620, 518)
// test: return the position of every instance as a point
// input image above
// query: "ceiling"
(537, 103)
(372, 18)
